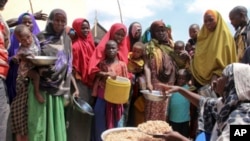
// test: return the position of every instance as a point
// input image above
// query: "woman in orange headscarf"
(82, 48)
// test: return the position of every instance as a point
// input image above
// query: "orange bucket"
(117, 91)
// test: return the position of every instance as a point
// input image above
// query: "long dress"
(46, 122)
(166, 74)
(79, 128)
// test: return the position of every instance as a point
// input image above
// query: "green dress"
(46, 121)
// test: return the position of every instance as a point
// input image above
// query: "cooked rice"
(129, 135)
(155, 127)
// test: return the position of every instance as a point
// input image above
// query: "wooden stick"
(120, 10)
(31, 7)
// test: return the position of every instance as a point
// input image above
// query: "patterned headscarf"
(233, 107)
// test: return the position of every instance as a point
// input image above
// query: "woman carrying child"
(26, 71)
(46, 122)
(29, 21)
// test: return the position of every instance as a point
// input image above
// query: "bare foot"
(39, 98)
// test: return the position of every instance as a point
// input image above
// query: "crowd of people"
(32, 102)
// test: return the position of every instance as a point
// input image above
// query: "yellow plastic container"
(117, 91)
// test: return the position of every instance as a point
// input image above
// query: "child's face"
(193, 32)
(59, 22)
(181, 79)
(178, 48)
(119, 36)
(85, 28)
(189, 47)
(25, 39)
(137, 52)
(111, 50)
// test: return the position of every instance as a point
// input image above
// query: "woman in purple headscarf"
(28, 20)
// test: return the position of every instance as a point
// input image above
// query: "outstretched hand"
(40, 15)
(172, 136)
(168, 88)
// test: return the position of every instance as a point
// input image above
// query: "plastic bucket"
(117, 91)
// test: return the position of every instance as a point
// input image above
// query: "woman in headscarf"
(103, 110)
(215, 49)
(134, 34)
(159, 68)
(83, 47)
(46, 122)
(232, 107)
(146, 36)
(28, 20)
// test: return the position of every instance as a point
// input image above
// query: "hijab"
(55, 79)
(99, 55)
(14, 42)
(133, 28)
(146, 36)
(214, 51)
(83, 48)
(233, 107)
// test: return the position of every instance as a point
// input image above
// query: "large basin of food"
(137, 134)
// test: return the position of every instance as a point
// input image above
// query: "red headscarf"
(99, 55)
(83, 48)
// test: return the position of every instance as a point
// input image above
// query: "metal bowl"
(82, 106)
(118, 129)
(154, 95)
(42, 60)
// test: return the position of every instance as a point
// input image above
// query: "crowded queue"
(32, 98)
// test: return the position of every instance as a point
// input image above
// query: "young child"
(28, 47)
(193, 33)
(107, 115)
(179, 49)
(135, 66)
(135, 58)
(178, 109)
(194, 29)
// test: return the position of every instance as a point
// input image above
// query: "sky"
(180, 14)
